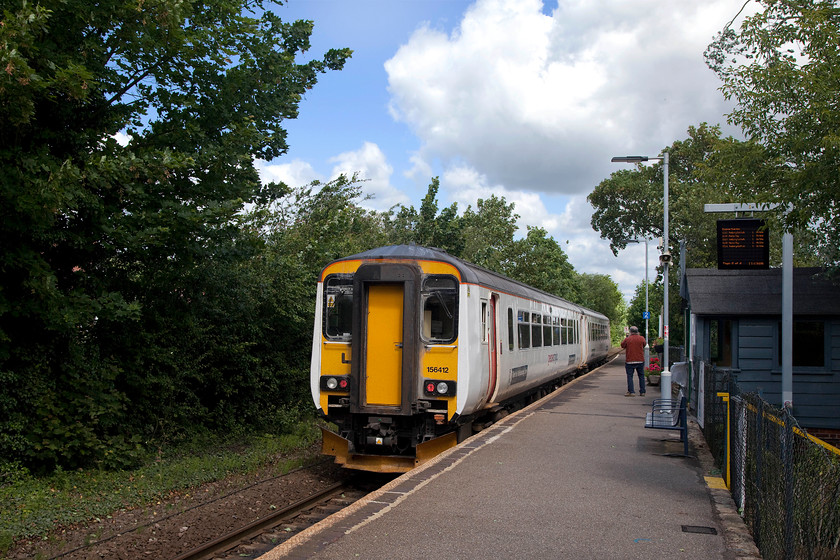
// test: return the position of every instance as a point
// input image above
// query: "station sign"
(742, 244)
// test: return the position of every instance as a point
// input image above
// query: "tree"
(538, 260)
(112, 252)
(782, 68)
(428, 227)
(599, 293)
(628, 205)
(488, 232)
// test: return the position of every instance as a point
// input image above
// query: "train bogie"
(413, 346)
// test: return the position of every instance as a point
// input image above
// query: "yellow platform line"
(715, 482)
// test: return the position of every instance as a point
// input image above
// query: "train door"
(585, 336)
(489, 345)
(385, 316)
(493, 345)
(384, 345)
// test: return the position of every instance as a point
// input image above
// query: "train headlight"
(438, 388)
(338, 383)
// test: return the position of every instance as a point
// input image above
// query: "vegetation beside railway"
(33, 507)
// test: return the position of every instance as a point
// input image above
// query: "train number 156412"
(436, 369)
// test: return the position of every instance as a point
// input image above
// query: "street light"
(665, 260)
(647, 308)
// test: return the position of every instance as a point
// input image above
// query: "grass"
(34, 506)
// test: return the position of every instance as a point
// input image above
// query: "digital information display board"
(742, 243)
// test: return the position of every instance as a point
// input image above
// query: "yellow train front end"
(385, 359)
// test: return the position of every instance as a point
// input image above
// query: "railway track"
(264, 534)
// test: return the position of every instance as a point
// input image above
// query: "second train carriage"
(412, 346)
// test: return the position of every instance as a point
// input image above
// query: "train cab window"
(440, 309)
(510, 329)
(556, 330)
(536, 330)
(338, 307)
(523, 319)
(547, 330)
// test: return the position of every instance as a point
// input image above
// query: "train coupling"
(380, 432)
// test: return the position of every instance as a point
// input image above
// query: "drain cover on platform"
(696, 529)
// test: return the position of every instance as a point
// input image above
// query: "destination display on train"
(742, 243)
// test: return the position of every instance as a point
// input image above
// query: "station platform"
(574, 475)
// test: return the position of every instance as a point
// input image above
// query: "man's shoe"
(641, 394)
(629, 394)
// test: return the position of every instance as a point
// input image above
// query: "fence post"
(759, 471)
(725, 398)
(787, 460)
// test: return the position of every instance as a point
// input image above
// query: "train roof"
(470, 273)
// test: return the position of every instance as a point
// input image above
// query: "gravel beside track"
(183, 521)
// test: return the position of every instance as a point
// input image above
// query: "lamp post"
(665, 260)
(647, 308)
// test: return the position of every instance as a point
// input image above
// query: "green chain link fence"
(785, 483)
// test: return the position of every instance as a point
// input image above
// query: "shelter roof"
(759, 292)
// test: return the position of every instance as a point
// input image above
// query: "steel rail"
(252, 530)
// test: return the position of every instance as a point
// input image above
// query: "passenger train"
(415, 349)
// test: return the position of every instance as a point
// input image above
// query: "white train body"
(412, 347)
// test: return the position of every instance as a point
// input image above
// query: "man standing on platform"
(634, 360)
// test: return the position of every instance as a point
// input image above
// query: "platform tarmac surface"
(574, 475)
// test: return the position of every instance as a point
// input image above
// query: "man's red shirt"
(635, 347)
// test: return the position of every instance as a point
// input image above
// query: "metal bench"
(669, 414)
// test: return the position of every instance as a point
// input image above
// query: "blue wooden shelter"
(736, 321)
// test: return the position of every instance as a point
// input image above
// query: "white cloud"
(587, 252)
(464, 185)
(541, 102)
(590, 254)
(373, 168)
(122, 138)
(294, 174)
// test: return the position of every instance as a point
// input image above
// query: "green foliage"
(538, 260)
(636, 309)
(628, 205)
(131, 303)
(485, 236)
(31, 506)
(489, 232)
(782, 68)
(600, 293)
(427, 227)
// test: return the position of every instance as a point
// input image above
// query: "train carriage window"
(483, 321)
(547, 330)
(556, 330)
(564, 336)
(536, 330)
(510, 328)
(440, 309)
(338, 307)
(523, 319)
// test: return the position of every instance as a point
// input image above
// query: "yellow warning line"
(715, 482)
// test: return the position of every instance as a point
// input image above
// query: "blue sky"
(520, 98)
